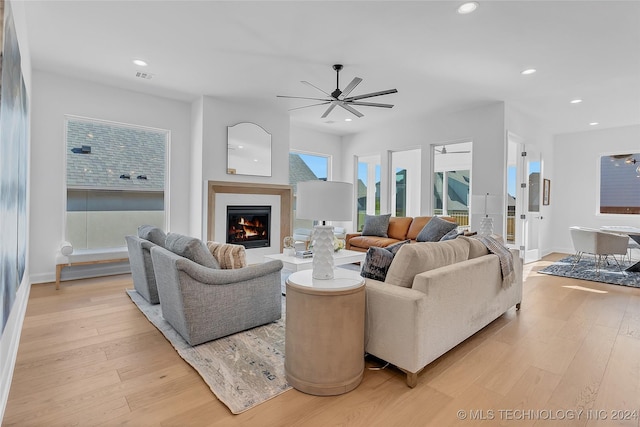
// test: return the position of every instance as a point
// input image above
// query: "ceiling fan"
(341, 98)
(444, 150)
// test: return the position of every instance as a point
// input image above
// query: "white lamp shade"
(324, 200)
(488, 204)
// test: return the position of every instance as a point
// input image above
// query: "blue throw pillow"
(377, 261)
(376, 225)
(435, 229)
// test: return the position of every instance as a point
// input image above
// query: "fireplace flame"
(249, 228)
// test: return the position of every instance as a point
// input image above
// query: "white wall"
(484, 126)
(55, 96)
(197, 187)
(218, 113)
(575, 189)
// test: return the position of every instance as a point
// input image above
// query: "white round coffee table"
(324, 332)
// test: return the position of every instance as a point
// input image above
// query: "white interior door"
(532, 192)
(524, 184)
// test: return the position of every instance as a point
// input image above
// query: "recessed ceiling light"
(348, 120)
(255, 160)
(467, 7)
(140, 62)
(528, 71)
(594, 124)
(576, 101)
(240, 146)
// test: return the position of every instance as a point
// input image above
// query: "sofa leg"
(518, 306)
(412, 379)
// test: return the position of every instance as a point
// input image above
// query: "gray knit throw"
(504, 255)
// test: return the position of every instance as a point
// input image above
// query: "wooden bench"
(89, 257)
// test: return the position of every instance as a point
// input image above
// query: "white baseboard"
(83, 272)
(10, 340)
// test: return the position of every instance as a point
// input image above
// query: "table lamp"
(324, 201)
(492, 206)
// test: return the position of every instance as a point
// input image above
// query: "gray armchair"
(203, 304)
(144, 279)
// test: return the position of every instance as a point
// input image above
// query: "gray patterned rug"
(586, 270)
(243, 370)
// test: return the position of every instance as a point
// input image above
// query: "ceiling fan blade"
(315, 87)
(372, 94)
(307, 106)
(351, 109)
(302, 97)
(329, 110)
(351, 86)
(371, 104)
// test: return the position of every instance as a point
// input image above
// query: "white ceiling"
(438, 60)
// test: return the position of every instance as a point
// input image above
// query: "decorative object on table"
(492, 206)
(338, 244)
(304, 254)
(546, 191)
(324, 201)
(288, 246)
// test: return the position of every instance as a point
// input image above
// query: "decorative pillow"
(376, 225)
(435, 229)
(191, 248)
(152, 234)
(377, 261)
(451, 235)
(229, 256)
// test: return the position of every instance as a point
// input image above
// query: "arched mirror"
(248, 150)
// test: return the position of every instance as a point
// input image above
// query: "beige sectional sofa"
(435, 295)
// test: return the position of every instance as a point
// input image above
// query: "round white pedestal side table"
(324, 332)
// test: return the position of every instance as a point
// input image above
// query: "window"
(405, 187)
(306, 167)
(452, 180)
(115, 181)
(368, 182)
(620, 184)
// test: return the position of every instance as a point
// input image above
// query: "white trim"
(10, 340)
(167, 168)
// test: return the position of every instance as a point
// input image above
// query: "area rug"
(586, 270)
(243, 370)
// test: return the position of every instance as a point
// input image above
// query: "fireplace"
(249, 226)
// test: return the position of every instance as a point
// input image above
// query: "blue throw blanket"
(504, 255)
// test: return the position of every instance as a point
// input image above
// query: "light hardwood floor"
(88, 357)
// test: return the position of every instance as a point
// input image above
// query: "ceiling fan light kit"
(341, 98)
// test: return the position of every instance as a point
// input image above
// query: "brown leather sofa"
(400, 228)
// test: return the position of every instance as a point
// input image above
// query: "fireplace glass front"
(249, 226)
